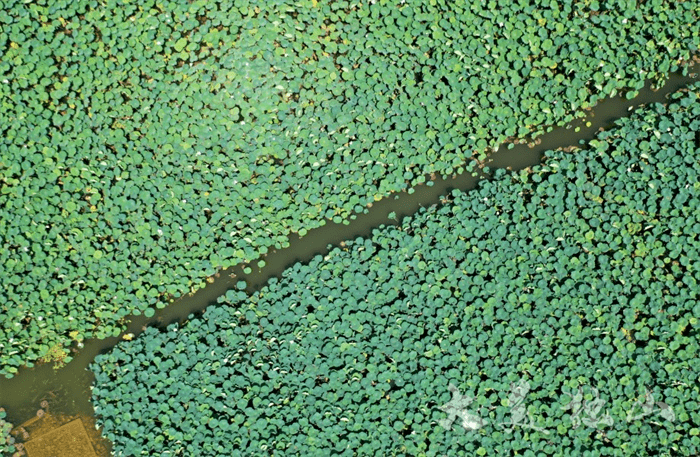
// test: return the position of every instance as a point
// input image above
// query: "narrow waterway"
(68, 388)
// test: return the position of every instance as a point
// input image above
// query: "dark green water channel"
(68, 388)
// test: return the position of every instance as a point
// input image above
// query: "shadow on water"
(69, 387)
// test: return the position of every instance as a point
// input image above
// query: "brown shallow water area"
(68, 440)
(68, 389)
(57, 435)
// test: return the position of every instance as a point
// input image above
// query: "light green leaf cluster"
(145, 145)
(6, 440)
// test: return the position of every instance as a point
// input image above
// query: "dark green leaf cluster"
(581, 273)
(6, 441)
(147, 144)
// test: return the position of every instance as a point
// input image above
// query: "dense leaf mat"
(6, 440)
(146, 144)
(580, 273)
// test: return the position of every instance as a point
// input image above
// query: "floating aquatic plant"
(147, 145)
(7, 442)
(573, 285)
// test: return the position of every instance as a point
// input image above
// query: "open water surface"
(68, 389)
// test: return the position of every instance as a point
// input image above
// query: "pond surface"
(68, 389)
